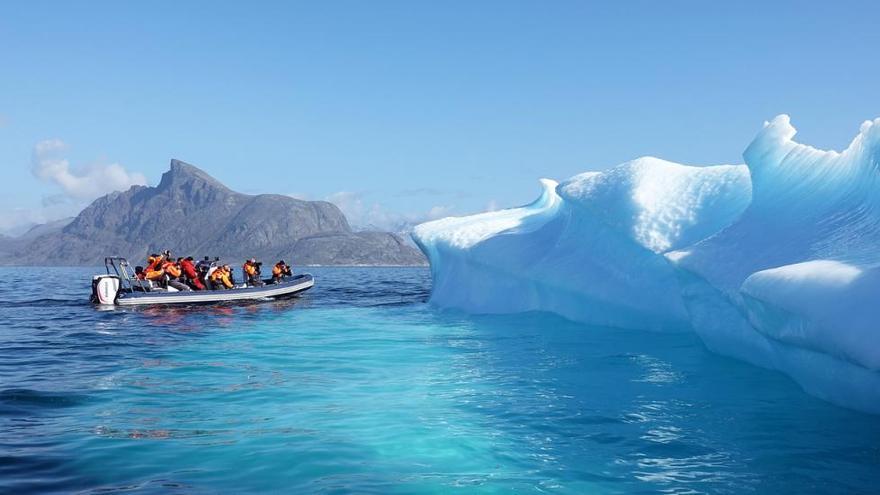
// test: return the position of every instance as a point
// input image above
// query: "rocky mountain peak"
(182, 174)
(191, 212)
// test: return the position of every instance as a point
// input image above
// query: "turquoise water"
(359, 386)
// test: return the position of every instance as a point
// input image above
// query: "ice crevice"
(775, 262)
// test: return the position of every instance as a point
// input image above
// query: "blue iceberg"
(775, 262)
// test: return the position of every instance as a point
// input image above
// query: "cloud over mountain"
(192, 213)
(86, 183)
(364, 214)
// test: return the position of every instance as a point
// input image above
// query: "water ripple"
(359, 386)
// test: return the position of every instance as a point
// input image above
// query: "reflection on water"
(359, 386)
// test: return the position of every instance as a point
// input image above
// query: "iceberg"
(589, 248)
(774, 262)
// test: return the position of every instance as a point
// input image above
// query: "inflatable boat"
(122, 288)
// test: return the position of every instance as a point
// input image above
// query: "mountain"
(191, 213)
(45, 228)
(11, 245)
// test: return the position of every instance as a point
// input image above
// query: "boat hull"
(291, 287)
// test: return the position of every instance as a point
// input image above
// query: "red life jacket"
(191, 274)
(189, 269)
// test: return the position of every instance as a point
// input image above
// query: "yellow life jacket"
(249, 269)
(172, 269)
(222, 275)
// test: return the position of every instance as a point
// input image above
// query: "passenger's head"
(189, 258)
(252, 260)
(281, 262)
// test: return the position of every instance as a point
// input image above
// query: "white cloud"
(87, 183)
(438, 212)
(79, 187)
(365, 215)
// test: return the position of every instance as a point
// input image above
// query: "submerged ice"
(775, 262)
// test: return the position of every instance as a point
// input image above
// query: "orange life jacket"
(171, 269)
(249, 269)
(222, 275)
(277, 271)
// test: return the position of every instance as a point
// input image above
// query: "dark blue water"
(359, 386)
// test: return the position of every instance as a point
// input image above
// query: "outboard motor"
(105, 289)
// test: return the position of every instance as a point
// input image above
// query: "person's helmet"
(253, 260)
(282, 262)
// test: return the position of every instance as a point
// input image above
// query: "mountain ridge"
(192, 213)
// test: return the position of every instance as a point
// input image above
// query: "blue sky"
(411, 109)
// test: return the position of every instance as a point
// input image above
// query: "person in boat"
(279, 271)
(203, 265)
(221, 278)
(140, 282)
(173, 272)
(228, 269)
(153, 272)
(155, 260)
(250, 270)
(151, 261)
(190, 274)
(205, 269)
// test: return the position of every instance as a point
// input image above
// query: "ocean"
(360, 386)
